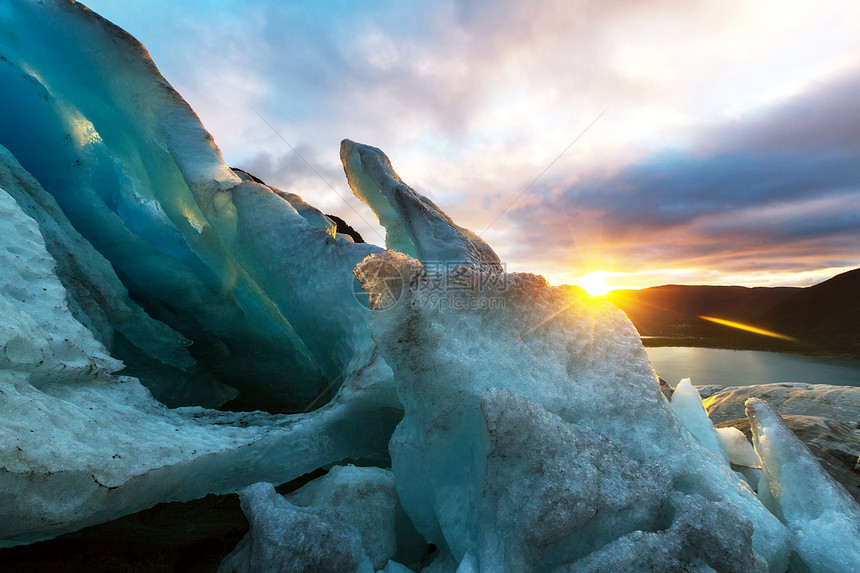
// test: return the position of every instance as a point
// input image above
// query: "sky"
(631, 142)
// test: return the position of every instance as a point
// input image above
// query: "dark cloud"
(672, 190)
(825, 119)
(835, 215)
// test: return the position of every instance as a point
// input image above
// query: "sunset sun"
(595, 283)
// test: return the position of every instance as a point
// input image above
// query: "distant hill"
(826, 316)
(824, 319)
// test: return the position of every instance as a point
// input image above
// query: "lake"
(747, 367)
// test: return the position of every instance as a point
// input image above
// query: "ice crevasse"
(513, 425)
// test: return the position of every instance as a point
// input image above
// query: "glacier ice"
(728, 444)
(575, 357)
(134, 183)
(356, 508)
(553, 491)
(413, 223)
(822, 416)
(288, 538)
(364, 497)
(98, 299)
(75, 454)
(143, 182)
(687, 405)
(824, 519)
(703, 538)
(510, 425)
(79, 445)
(78, 454)
(738, 448)
(395, 567)
(38, 334)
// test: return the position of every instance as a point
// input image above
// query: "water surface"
(747, 367)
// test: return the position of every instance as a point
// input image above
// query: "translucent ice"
(823, 517)
(739, 449)
(98, 299)
(80, 446)
(687, 405)
(255, 278)
(413, 223)
(822, 416)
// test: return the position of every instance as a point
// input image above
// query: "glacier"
(171, 328)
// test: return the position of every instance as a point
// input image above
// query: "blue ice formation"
(222, 262)
(512, 425)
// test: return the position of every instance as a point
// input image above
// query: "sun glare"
(595, 283)
(748, 328)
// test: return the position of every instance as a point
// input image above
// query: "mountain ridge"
(820, 319)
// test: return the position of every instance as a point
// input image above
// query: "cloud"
(672, 190)
(778, 190)
(829, 216)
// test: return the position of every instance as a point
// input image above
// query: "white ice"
(552, 362)
(38, 334)
(823, 517)
(354, 500)
(687, 406)
(738, 447)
